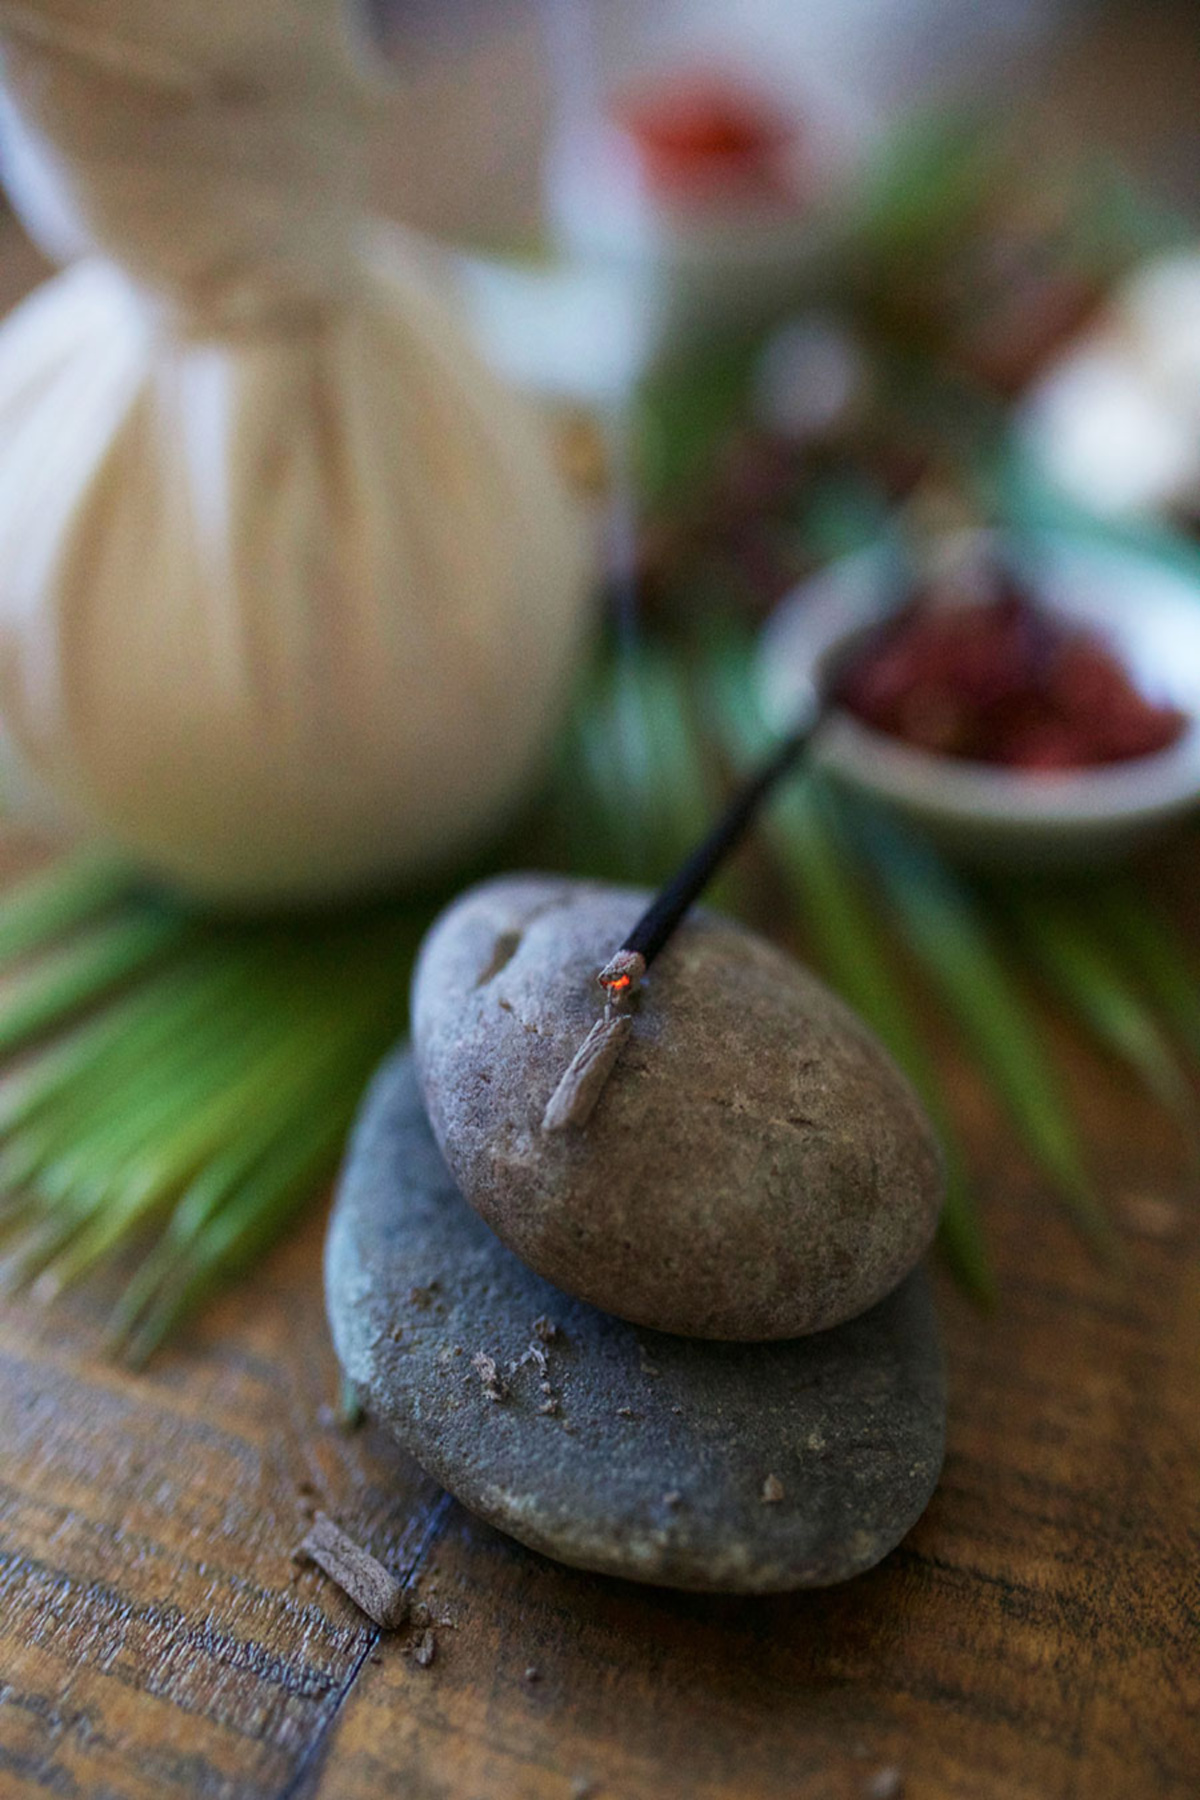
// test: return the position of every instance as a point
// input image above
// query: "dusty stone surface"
(756, 1167)
(746, 1468)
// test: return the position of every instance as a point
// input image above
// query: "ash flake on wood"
(361, 1576)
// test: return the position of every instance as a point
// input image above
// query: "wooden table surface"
(1035, 1638)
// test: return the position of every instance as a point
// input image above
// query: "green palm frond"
(1158, 957)
(86, 968)
(1058, 935)
(46, 906)
(206, 1098)
(947, 933)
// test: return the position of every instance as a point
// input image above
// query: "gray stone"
(747, 1468)
(756, 1167)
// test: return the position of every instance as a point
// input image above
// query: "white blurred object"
(811, 374)
(1115, 423)
(563, 331)
(290, 590)
(1158, 314)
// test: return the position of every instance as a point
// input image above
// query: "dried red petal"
(1004, 683)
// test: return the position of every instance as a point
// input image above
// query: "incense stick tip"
(623, 975)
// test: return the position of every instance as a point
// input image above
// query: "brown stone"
(756, 1166)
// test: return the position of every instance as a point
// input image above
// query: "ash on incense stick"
(584, 1079)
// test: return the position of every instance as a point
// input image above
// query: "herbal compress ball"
(290, 592)
(756, 1167)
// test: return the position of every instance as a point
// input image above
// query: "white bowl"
(979, 813)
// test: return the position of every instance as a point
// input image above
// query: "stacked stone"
(690, 1342)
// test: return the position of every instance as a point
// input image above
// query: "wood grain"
(1036, 1637)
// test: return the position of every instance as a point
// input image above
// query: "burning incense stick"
(584, 1079)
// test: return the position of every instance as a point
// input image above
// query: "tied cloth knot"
(218, 153)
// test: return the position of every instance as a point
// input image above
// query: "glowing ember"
(623, 974)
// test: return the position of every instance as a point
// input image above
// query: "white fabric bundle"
(289, 590)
